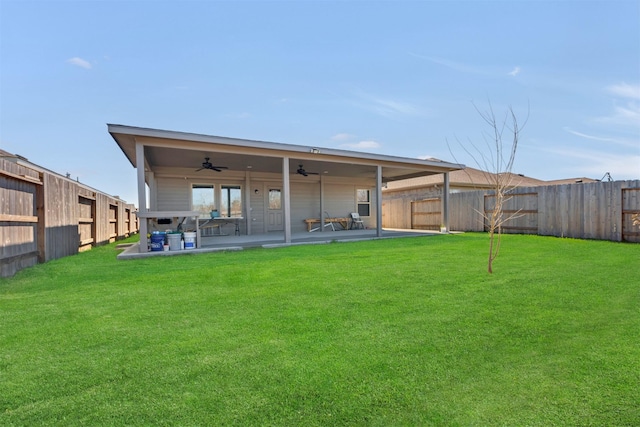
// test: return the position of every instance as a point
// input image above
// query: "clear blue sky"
(393, 77)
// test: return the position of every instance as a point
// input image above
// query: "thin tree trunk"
(498, 170)
(489, 264)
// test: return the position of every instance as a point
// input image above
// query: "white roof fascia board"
(274, 149)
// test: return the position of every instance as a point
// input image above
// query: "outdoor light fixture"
(315, 150)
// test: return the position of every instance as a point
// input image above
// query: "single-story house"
(263, 187)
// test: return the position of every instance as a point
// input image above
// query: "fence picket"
(45, 216)
(599, 210)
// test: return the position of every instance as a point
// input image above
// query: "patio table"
(219, 221)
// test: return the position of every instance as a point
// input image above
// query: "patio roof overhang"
(187, 150)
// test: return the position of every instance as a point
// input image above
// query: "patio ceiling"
(173, 157)
(186, 150)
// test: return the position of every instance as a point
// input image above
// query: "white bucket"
(189, 239)
(174, 241)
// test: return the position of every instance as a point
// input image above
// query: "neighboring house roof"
(187, 150)
(13, 157)
(465, 178)
(570, 181)
(472, 178)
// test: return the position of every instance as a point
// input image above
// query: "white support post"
(379, 201)
(142, 197)
(286, 193)
(322, 218)
(445, 203)
(247, 201)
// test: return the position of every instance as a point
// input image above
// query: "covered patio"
(274, 240)
(267, 191)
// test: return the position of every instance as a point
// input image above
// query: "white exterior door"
(274, 209)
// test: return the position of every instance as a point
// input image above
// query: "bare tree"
(496, 160)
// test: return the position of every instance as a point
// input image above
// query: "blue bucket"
(157, 241)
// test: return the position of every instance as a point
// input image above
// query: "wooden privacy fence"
(44, 216)
(600, 210)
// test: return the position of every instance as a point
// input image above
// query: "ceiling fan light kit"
(208, 165)
(303, 172)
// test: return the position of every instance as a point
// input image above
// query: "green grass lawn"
(390, 332)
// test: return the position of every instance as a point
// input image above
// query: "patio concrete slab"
(275, 240)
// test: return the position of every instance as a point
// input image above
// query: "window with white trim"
(230, 201)
(363, 198)
(203, 199)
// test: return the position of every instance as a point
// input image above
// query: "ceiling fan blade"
(303, 172)
(208, 165)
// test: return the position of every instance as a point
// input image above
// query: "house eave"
(394, 167)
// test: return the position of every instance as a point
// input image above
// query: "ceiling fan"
(207, 165)
(303, 172)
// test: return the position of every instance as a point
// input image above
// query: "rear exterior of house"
(259, 187)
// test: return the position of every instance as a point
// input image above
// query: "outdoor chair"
(330, 223)
(356, 221)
